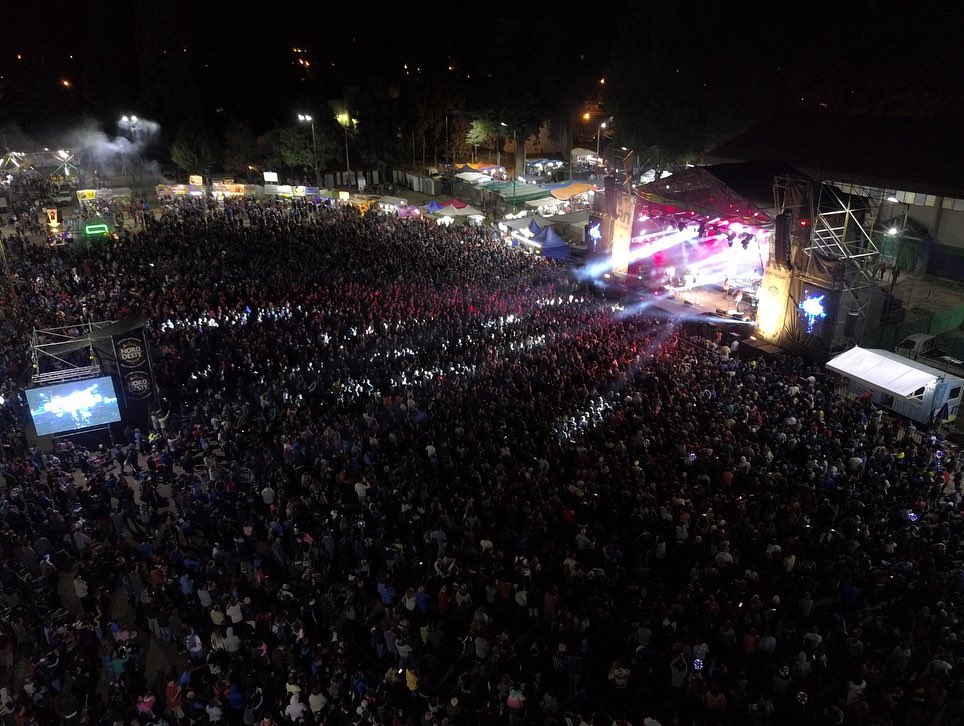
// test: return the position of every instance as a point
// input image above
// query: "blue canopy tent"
(553, 246)
(535, 228)
(433, 206)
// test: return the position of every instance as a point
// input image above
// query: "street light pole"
(314, 146)
(900, 234)
(515, 148)
(347, 161)
(599, 138)
(345, 120)
(130, 122)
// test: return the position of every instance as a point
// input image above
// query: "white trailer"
(906, 387)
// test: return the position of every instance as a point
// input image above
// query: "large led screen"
(814, 306)
(72, 406)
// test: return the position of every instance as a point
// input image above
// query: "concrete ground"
(925, 292)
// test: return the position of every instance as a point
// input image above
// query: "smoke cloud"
(125, 149)
(125, 146)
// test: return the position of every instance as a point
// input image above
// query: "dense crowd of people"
(401, 474)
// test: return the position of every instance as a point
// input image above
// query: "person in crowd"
(399, 472)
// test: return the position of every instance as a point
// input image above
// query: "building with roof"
(914, 167)
(876, 206)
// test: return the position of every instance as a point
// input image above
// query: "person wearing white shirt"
(231, 641)
(215, 712)
(295, 708)
(234, 612)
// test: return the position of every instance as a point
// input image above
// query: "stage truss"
(47, 348)
(833, 237)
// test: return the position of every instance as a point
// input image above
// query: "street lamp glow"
(602, 125)
(345, 119)
(893, 231)
(306, 118)
(586, 116)
(893, 200)
(503, 123)
(63, 154)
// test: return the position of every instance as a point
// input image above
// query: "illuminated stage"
(803, 276)
(708, 261)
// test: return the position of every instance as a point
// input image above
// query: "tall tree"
(194, 147)
(432, 100)
(377, 143)
(240, 147)
(294, 147)
(480, 131)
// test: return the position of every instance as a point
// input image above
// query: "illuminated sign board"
(96, 230)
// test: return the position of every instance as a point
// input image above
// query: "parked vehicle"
(63, 198)
(926, 348)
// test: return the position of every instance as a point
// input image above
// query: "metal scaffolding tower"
(833, 244)
(48, 346)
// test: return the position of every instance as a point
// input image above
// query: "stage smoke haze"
(110, 151)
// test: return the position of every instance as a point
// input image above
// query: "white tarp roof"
(524, 222)
(450, 211)
(882, 370)
(546, 201)
(474, 177)
(393, 201)
(580, 216)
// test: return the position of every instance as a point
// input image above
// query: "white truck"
(924, 347)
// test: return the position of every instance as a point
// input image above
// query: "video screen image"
(813, 309)
(72, 406)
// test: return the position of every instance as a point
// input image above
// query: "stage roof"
(753, 180)
(698, 190)
(913, 154)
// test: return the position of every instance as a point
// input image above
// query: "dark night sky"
(159, 59)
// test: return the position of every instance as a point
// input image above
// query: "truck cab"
(916, 346)
(925, 348)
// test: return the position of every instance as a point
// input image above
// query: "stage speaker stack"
(781, 239)
(609, 185)
(850, 324)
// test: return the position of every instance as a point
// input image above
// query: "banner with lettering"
(134, 369)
